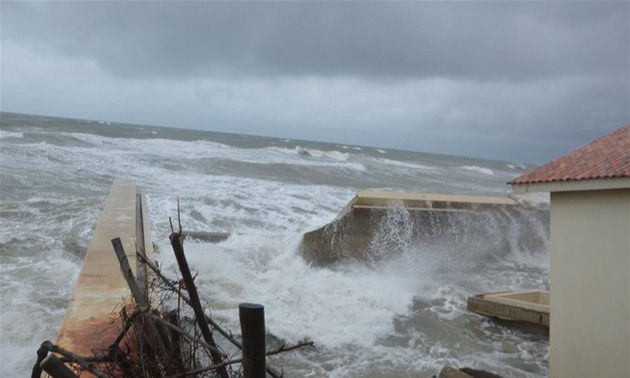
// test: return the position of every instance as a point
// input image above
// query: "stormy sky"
(523, 81)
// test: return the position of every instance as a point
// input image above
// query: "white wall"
(590, 284)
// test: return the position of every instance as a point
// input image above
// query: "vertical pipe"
(252, 318)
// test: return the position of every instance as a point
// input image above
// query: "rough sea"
(402, 317)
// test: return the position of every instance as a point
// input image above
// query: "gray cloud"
(511, 80)
(474, 40)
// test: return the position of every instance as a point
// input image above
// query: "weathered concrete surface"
(377, 224)
(375, 199)
(526, 306)
(100, 288)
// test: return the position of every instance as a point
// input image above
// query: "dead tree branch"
(81, 361)
(227, 335)
(178, 249)
(282, 349)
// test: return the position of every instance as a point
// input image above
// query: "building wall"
(590, 284)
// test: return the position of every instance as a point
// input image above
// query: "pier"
(96, 323)
(101, 287)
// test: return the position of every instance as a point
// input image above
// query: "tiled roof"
(605, 158)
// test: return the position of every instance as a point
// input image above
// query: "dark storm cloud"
(467, 40)
(513, 80)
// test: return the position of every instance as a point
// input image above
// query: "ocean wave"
(403, 164)
(474, 168)
(11, 134)
(302, 151)
(283, 282)
(516, 166)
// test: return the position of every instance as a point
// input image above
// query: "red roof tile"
(605, 158)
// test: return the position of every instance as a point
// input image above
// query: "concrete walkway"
(100, 288)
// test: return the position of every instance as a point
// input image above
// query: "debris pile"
(164, 331)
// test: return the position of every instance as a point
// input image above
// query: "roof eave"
(573, 186)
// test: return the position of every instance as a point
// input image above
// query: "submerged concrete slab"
(537, 300)
(519, 306)
(100, 288)
(379, 224)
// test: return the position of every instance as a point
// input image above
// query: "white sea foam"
(276, 152)
(516, 166)
(333, 308)
(474, 168)
(203, 149)
(92, 138)
(403, 164)
(11, 134)
(43, 298)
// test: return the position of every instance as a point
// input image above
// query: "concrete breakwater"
(376, 225)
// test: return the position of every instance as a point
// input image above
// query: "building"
(590, 256)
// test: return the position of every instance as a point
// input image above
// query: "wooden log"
(173, 318)
(42, 352)
(195, 302)
(84, 362)
(138, 295)
(56, 368)
(252, 318)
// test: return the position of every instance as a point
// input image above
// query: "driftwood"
(42, 352)
(282, 349)
(172, 285)
(138, 295)
(173, 319)
(50, 365)
(56, 368)
(178, 249)
(185, 334)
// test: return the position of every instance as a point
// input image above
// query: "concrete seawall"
(376, 225)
